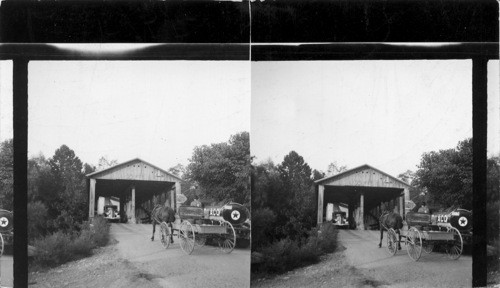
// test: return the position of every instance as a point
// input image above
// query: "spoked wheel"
(187, 237)
(455, 247)
(414, 243)
(1, 245)
(165, 234)
(392, 241)
(428, 246)
(228, 240)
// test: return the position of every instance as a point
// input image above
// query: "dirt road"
(205, 267)
(432, 270)
(363, 264)
(6, 271)
(135, 261)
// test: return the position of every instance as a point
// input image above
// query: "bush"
(327, 238)
(262, 230)
(37, 218)
(101, 231)
(53, 250)
(287, 254)
(61, 247)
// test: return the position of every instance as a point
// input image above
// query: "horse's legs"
(399, 243)
(154, 226)
(171, 232)
(381, 236)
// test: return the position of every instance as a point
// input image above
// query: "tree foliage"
(447, 175)
(6, 175)
(417, 194)
(334, 169)
(283, 195)
(105, 163)
(493, 202)
(221, 171)
(57, 190)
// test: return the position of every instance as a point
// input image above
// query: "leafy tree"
(178, 170)
(7, 174)
(417, 194)
(222, 170)
(105, 163)
(493, 205)
(447, 175)
(334, 169)
(267, 188)
(296, 209)
(62, 189)
(39, 178)
(318, 174)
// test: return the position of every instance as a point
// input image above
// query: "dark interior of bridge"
(144, 190)
(373, 196)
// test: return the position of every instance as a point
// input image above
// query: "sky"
(155, 110)
(382, 113)
(6, 131)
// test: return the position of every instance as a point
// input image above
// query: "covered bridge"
(366, 191)
(138, 184)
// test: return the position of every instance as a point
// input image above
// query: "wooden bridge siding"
(367, 178)
(138, 171)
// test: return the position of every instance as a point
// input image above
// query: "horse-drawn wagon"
(195, 226)
(426, 231)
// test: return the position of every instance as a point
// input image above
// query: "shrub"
(287, 254)
(53, 250)
(327, 238)
(37, 217)
(61, 247)
(83, 244)
(262, 230)
(101, 231)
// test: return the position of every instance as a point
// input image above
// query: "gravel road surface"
(7, 271)
(206, 267)
(136, 261)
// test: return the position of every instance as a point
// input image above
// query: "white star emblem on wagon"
(4, 222)
(462, 221)
(235, 215)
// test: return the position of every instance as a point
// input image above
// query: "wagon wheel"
(392, 247)
(454, 248)
(1, 245)
(428, 246)
(228, 240)
(187, 236)
(165, 234)
(414, 243)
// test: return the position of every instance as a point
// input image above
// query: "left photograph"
(6, 176)
(138, 173)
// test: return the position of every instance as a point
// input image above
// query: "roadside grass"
(493, 264)
(287, 254)
(60, 247)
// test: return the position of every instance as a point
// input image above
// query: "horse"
(162, 214)
(390, 220)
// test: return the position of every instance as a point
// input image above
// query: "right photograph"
(362, 173)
